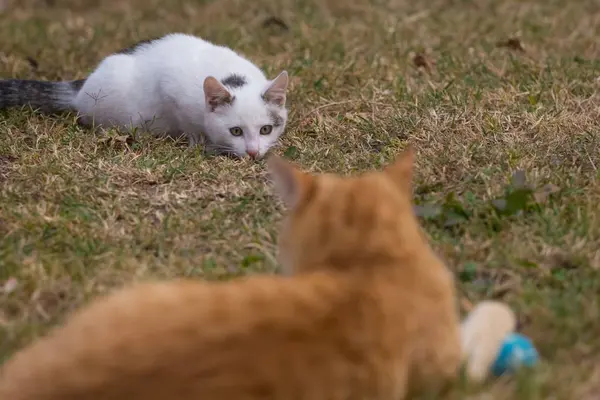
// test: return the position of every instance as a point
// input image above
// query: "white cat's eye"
(236, 131)
(265, 130)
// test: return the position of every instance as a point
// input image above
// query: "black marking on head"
(276, 120)
(133, 48)
(234, 81)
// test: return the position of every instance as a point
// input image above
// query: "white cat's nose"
(252, 153)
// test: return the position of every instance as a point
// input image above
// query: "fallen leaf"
(33, 62)
(275, 21)
(115, 139)
(421, 60)
(512, 43)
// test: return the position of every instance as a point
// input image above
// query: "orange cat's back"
(367, 312)
(183, 340)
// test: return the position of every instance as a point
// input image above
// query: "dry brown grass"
(80, 214)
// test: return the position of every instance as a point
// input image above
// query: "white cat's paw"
(193, 139)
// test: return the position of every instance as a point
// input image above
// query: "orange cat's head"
(342, 222)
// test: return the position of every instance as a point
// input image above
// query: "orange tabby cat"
(367, 313)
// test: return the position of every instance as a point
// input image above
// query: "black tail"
(48, 97)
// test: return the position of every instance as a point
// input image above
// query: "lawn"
(500, 99)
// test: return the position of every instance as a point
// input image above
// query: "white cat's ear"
(290, 183)
(277, 89)
(401, 170)
(215, 94)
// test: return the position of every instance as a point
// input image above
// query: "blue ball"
(516, 351)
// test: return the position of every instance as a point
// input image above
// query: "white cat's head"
(244, 118)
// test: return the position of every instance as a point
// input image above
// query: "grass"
(81, 214)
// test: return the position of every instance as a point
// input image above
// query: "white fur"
(482, 334)
(159, 88)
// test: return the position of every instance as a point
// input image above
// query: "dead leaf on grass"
(116, 140)
(33, 62)
(421, 60)
(275, 21)
(512, 43)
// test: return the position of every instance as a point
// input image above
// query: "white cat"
(176, 85)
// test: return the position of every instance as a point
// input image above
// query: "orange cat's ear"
(401, 170)
(290, 183)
